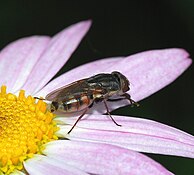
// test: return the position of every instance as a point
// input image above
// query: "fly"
(82, 94)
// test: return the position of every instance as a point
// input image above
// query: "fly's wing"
(75, 88)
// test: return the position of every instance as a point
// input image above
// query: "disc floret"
(25, 127)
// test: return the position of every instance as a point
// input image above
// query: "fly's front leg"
(39, 98)
(128, 97)
(125, 96)
(116, 99)
(108, 112)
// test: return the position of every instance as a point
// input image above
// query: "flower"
(34, 141)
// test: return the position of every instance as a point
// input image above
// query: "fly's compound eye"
(123, 81)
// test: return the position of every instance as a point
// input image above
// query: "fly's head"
(123, 81)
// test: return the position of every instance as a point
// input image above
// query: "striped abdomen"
(73, 103)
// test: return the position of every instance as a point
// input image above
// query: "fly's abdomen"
(76, 103)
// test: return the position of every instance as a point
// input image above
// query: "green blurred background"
(119, 28)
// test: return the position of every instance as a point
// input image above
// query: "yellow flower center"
(25, 126)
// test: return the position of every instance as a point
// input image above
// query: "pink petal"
(147, 72)
(152, 70)
(135, 134)
(55, 56)
(42, 165)
(103, 159)
(80, 72)
(18, 59)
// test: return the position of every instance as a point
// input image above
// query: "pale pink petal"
(147, 80)
(80, 72)
(18, 59)
(42, 165)
(150, 71)
(147, 72)
(57, 53)
(103, 159)
(135, 134)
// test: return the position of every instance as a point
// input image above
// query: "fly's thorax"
(97, 95)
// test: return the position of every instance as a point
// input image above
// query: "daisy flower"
(35, 141)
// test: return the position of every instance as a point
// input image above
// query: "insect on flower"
(82, 94)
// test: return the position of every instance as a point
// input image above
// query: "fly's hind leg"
(78, 120)
(80, 117)
(108, 112)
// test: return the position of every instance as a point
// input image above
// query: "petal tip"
(180, 51)
(86, 23)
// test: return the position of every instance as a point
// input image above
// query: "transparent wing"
(64, 92)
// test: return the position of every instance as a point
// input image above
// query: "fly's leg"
(77, 121)
(39, 98)
(108, 112)
(116, 99)
(126, 96)
(80, 118)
